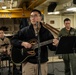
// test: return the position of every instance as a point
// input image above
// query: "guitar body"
(20, 54)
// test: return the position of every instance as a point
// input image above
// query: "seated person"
(5, 44)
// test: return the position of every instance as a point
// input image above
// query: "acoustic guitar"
(20, 54)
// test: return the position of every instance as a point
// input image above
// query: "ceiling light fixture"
(4, 7)
(71, 9)
(56, 12)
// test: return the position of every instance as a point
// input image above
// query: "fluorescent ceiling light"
(71, 9)
(57, 12)
(4, 7)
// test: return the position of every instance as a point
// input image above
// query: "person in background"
(5, 44)
(30, 66)
(5, 48)
(69, 59)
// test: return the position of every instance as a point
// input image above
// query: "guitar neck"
(43, 43)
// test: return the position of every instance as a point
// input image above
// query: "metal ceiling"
(30, 4)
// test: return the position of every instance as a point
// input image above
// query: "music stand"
(67, 45)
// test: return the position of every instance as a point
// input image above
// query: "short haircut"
(67, 19)
(35, 10)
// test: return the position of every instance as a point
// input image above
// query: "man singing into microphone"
(22, 38)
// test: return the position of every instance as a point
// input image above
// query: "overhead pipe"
(11, 4)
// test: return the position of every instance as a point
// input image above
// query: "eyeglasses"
(34, 16)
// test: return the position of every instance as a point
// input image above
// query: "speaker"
(52, 6)
(74, 1)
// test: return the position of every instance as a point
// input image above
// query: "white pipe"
(11, 4)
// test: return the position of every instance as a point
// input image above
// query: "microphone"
(37, 23)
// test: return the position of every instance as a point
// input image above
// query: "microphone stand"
(39, 51)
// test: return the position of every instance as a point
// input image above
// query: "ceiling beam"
(14, 14)
(35, 4)
(29, 5)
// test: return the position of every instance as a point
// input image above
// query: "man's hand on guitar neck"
(26, 44)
